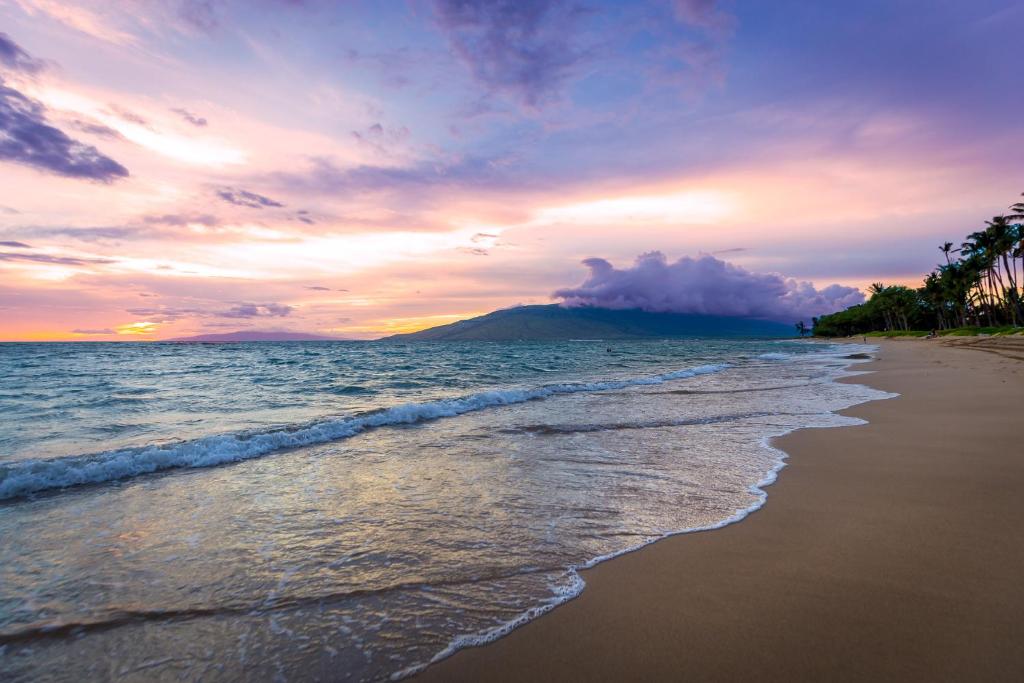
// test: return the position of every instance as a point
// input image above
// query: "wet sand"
(892, 551)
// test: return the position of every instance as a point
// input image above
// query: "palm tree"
(801, 328)
(979, 250)
(1004, 237)
(947, 249)
(1018, 210)
(979, 284)
(1017, 216)
(877, 291)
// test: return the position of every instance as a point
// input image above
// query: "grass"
(897, 333)
(974, 331)
(955, 332)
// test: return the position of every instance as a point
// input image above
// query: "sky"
(356, 169)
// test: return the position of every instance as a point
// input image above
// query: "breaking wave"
(25, 477)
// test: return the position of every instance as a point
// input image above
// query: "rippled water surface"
(350, 511)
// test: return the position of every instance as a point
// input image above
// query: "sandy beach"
(890, 551)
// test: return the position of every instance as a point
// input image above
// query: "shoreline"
(757, 489)
(802, 585)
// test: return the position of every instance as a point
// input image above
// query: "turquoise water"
(351, 511)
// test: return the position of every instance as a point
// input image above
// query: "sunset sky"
(176, 167)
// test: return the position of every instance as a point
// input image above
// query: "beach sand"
(892, 551)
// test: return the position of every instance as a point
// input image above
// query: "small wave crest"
(32, 476)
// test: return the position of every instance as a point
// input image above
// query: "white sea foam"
(576, 582)
(24, 477)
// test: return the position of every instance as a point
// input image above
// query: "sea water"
(352, 510)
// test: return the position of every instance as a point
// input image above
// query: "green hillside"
(556, 322)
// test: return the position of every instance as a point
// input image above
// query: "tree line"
(979, 285)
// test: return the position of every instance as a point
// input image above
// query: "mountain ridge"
(555, 322)
(252, 336)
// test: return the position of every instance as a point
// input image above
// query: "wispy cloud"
(53, 260)
(252, 200)
(177, 219)
(707, 14)
(85, 20)
(522, 47)
(97, 129)
(15, 58)
(87, 233)
(324, 176)
(101, 331)
(194, 119)
(248, 310)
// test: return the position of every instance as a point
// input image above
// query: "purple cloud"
(240, 197)
(96, 129)
(703, 13)
(194, 119)
(15, 58)
(324, 177)
(166, 313)
(55, 260)
(89, 234)
(517, 46)
(178, 219)
(15, 245)
(704, 285)
(105, 330)
(129, 116)
(26, 138)
(247, 310)
(393, 66)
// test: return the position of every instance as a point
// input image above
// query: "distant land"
(553, 321)
(254, 335)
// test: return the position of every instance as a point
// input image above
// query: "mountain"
(253, 336)
(557, 322)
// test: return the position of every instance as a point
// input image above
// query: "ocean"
(355, 510)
